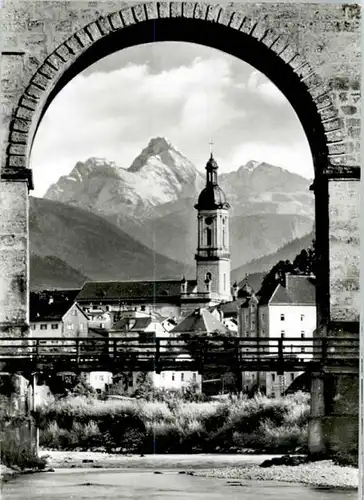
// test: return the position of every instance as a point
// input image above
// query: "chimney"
(183, 286)
(235, 290)
(286, 279)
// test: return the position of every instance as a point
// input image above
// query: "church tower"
(212, 256)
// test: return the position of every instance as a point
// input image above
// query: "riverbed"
(138, 484)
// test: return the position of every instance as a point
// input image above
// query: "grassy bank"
(259, 424)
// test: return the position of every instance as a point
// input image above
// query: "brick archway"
(262, 35)
(249, 39)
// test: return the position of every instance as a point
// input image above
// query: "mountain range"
(103, 221)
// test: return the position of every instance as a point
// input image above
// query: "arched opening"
(214, 26)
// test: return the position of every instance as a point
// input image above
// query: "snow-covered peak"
(156, 147)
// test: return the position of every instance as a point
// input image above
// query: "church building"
(176, 298)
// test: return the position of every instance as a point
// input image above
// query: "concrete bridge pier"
(316, 434)
(334, 420)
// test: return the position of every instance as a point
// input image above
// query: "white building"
(290, 312)
(177, 380)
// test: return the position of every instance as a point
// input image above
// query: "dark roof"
(97, 332)
(298, 290)
(200, 321)
(132, 324)
(228, 308)
(132, 290)
(254, 280)
(41, 310)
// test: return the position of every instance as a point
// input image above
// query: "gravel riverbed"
(322, 474)
(235, 467)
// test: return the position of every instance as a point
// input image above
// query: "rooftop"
(127, 290)
(200, 321)
(298, 290)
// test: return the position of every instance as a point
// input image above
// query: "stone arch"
(221, 27)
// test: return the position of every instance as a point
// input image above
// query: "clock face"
(208, 221)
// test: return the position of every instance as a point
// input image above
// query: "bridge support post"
(34, 428)
(316, 433)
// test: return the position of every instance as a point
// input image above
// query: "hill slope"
(264, 264)
(92, 246)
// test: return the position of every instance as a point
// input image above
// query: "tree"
(304, 263)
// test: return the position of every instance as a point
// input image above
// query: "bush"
(176, 425)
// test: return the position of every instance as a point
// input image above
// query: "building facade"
(289, 312)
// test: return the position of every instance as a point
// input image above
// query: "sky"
(188, 93)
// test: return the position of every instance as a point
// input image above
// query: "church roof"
(200, 321)
(103, 291)
(212, 196)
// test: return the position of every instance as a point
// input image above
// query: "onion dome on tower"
(212, 196)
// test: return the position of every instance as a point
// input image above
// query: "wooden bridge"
(329, 354)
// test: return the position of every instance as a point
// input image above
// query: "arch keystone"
(151, 10)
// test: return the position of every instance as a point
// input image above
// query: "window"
(102, 325)
(74, 312)
(224, 282)
(163, 375)
(302, 317)
(70, 327)
(302, 334)
(81, 327)
(273, 377)
(107, 308)
(273, 394)
(182, 377)
(172, 377)
(43, 327)
(208, 236)
(283, 333)
(282, 317)
(33, 327)
(54, 326)
(292, 377)
(302, 349)
(194, 377)
(101, 378)
(142, 308)
(209, 276)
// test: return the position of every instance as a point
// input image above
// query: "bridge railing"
(246, 354)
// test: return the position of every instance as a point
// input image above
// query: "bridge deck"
(334, 354)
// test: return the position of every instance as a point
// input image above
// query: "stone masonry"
(310, 51)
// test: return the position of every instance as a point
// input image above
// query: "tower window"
(208, 236)
(282, 317)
